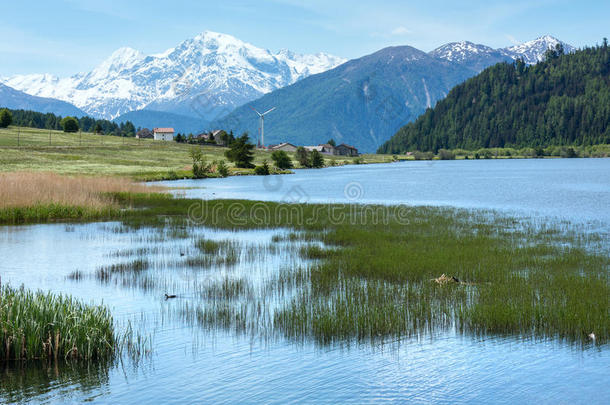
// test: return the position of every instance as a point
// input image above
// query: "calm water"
(191, 363)
(573, 189)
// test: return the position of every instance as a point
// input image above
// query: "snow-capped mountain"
(478, 57)
(205, 77)
(533, 51)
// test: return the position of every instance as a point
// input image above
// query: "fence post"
(80, 138)
(18, 133)
(49, 137)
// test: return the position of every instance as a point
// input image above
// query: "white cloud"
(512, 39)
(401, 31)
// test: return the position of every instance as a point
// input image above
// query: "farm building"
(346, 150)
(163, 134)
(286, 147)
(324, 148)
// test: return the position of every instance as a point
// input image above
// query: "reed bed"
(53, 327)
(40, 196)
(374, 281)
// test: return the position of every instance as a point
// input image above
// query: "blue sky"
(68, 36)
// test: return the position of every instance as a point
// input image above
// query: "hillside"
(361, 102)
(18, 100)
(564, 100)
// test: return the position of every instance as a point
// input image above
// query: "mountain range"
(562, 101)
(14, 99)
(217, 78)
(203, 77)
(365, 101)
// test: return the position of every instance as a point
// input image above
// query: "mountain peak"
(203, 76)
(533, 51)
(122, 58)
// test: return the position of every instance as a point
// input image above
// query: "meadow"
(139, 159)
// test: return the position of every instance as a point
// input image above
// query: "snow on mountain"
(533, 51)
(203, 77)
(478, 57)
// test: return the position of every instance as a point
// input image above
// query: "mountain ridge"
(366, 110)
(18, 100)
(203, 76)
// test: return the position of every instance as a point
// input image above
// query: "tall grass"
(40, 197)
(53, 327)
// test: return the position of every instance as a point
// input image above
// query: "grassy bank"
(90, 154)
(53, 327)
(593, 151)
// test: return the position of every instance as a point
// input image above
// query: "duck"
(168, 296)
(591, 336)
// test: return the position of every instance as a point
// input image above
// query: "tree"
(317, 160)
(262, 170)
(241, 152)
(331, 142)
(302, 156)
(200, 169)
(6, 118)
(128, 129)
(98, 128)
(281, 159)
(222, 169)
(69, 124)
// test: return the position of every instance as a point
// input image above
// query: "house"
(144, 133)
(285, 146)
(346, 150)
(163, 134)
(326, 149)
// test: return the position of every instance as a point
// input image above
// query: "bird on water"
(168, 296)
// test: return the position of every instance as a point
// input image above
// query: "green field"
(43, 150)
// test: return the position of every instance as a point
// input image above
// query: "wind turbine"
(262, 117)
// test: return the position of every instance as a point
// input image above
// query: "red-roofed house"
(163, 134)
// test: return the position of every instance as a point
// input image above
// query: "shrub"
(6, 118)
(222, 169)
(302, 156)
(200, 168)
(317, 161)
(262, 170)
(444, 154)
(69, 124)
(281, 159)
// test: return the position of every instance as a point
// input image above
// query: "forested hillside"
(34, 119)
(564, 100)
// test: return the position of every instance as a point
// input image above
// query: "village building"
(144, 133)
(285, 146)
(328, 149)
(163, 134)
(346, 150)
(325, 148)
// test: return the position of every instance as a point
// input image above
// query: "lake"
(195, 361)
(572, 189)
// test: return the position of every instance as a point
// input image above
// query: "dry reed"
(26, 189)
